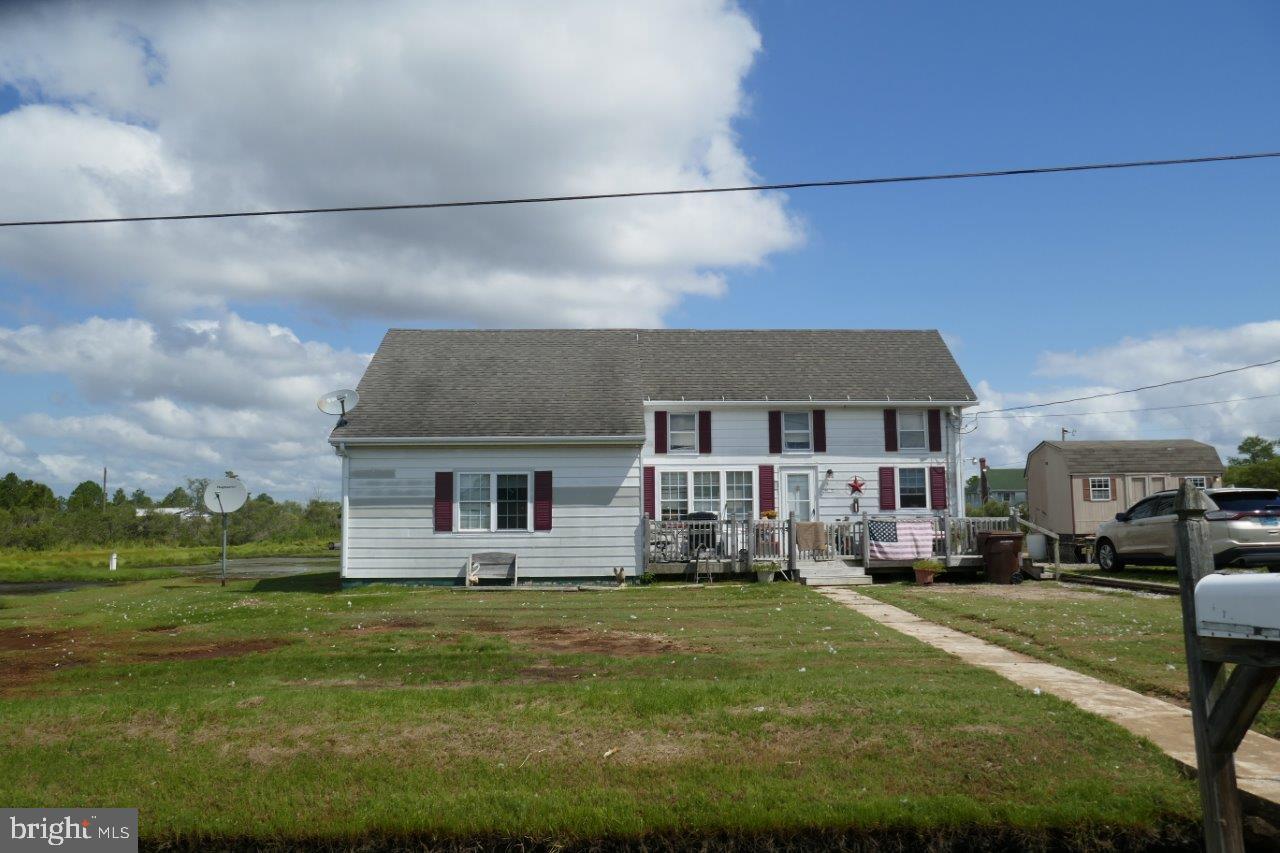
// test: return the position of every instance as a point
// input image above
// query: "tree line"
(32, 517)
(1258, 464)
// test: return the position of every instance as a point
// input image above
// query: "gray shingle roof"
(593, 382)
(1172, 456)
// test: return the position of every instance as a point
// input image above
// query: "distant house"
(555, 445)
(1073, 486)
(1007, 485)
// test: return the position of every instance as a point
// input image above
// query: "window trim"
(924, 431)
(688, 473)
(493, 476)
(1106, 481)
(1203, 484)
(692, 449)
(808, 415)
(928, 492)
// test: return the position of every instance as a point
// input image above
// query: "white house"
(554, 445)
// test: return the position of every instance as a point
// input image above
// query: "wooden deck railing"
(771, 540)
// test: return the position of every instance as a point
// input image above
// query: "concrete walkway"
(1164, 724)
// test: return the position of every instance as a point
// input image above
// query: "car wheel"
(1108, 559)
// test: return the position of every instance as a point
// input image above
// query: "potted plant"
(764, 572)
(926, 569)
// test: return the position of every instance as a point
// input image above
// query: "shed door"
(1137, 489)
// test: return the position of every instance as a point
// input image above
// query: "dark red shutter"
(444, 502)
(888, 486)
(648, 491)
(935, 430)
(938, 487)
(891, 429)
(766, 488)
(659, 432)
(704, 432)
(819, 431)
(541, 500)
(775, 431)
(1088, 495)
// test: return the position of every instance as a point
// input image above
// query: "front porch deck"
(837, 549)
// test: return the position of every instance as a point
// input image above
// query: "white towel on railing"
(900, 540)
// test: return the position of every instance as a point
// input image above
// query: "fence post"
(946, 538)
(751, 544)
(791, 542)
(1216, 773)
(866, 544)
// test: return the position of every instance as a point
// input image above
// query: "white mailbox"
(1241, 607)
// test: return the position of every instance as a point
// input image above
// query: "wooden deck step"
(831, 573)
(835, 580)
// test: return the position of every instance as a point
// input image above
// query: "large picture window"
(797, 434)
(729, 494)
(911, 430)
(488, 502)
(682, 435)
(911, 489)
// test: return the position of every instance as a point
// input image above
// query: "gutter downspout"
(341, 451)
(957, 475)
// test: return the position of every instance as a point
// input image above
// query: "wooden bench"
(491, 565)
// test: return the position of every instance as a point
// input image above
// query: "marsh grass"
(135, 562)
(290, 711)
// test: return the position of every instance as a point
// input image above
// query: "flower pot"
(924, 577)
(764, 575)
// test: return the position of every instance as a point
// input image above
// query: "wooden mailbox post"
(1222, 706)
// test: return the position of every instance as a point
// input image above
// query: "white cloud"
(1134, 362)
(184, 107)
(187, 399)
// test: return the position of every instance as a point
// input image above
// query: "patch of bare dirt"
(605, 642)
(398, 623)
(207, 651)
(159, 629)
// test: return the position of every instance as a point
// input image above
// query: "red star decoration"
(855, 485)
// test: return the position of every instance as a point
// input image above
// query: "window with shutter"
(659, 432)
(891, 430)
(775, 431)
(443, 515)
(819, 431)
(888, 489)
(542, 500)
(704, 431)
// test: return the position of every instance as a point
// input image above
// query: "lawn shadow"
(323, 582)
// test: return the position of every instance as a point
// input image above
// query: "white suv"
(1244, 526)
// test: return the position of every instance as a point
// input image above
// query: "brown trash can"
(1002, 554)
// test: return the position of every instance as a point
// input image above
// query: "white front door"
(797, 494)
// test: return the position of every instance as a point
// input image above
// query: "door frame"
(809, 471)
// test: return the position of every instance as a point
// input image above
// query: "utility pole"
(1065, 432)
(104, 488)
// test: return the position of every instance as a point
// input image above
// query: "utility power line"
(796, 185)
(1125, 411)
(1129, 390)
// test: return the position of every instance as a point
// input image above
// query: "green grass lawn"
(285, 711)
(135, 562)
(1127, 639)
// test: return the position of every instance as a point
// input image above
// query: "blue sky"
(1044, 285)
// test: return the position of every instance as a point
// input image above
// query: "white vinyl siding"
(855, 448)
(391, 494)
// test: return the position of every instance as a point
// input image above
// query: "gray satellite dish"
(225, 495)
(338, 403)
(222, 496)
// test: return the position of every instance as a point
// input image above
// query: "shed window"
(681, 432)
(911, 430)
(1198, 482)
(911, 489)
(796, 431)
(1099, 488)
(493, 502)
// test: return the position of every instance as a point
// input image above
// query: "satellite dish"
(338, 403)
(225, 495)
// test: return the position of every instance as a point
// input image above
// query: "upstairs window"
(1099, 488)
(911, 430)
(682, 435)
(797, 432)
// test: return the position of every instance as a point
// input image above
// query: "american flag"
(900, 540)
